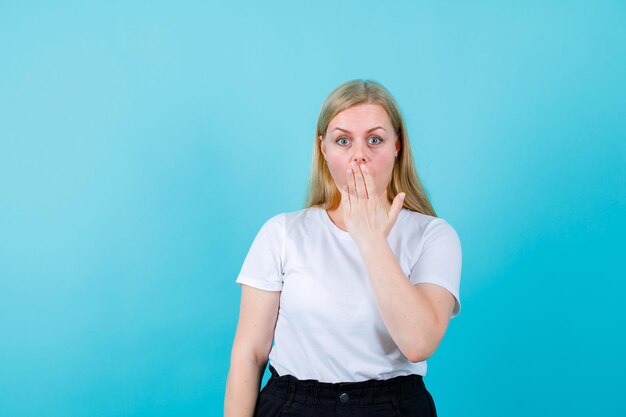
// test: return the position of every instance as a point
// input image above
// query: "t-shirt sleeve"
(262, 266)
(440, 260)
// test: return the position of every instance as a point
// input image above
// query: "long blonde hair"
(322, 191)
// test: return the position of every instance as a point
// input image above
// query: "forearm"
(242, 386)
(407, 314)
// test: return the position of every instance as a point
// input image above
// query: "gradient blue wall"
(143, 144)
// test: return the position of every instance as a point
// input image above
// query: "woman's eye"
(339, 141)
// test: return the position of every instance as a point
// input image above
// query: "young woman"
(358, 288)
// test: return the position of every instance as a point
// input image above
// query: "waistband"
(370, 392)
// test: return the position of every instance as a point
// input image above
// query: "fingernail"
(402, 196)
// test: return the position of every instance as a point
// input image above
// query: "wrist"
(372, 245)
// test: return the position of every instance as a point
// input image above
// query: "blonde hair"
(322, 191)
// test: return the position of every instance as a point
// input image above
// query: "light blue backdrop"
(143, 145)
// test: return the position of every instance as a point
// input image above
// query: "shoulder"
(423, 222)
(425, 226)
(417, 219)
(287, 220)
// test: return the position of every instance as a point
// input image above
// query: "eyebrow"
(372, 129)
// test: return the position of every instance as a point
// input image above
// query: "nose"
(359, 156)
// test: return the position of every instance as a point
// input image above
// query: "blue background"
(143, 144)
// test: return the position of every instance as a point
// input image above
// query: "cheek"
(381, 167)
(381, 170)
(337, 166)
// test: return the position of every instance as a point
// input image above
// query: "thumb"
(396, 207)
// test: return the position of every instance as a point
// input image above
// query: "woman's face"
(362, 133)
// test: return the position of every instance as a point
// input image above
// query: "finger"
(369, 181)
(359, 182)
(351, 185)
(396, 207)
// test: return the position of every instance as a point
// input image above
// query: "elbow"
(418, 356)
(420, 352)
(258, 357)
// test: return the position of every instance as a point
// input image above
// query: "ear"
(322, 146)
(398, 145)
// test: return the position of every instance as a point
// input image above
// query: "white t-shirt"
(328, 327)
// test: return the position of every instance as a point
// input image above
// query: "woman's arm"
(416, 316)
(253, 341)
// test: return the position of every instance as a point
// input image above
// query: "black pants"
(287, 396)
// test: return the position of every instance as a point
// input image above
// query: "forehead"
(361, 117)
